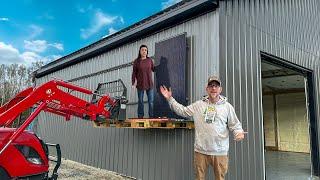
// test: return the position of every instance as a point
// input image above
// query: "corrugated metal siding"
(287, 29)
(145, 154)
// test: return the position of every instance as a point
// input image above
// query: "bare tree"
(31, 71)
(14, 78)
(2, 81)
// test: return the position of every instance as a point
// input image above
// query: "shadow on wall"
(162, 69)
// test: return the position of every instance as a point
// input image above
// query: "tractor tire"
(3, 174)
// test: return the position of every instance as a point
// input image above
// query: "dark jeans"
(140, 102)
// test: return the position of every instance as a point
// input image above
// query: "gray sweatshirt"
(212, 123)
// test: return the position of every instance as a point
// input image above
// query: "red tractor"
(22, 154)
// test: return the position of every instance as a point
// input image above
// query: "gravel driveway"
(77, 171)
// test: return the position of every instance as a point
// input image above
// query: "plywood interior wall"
(269, 121)
(291, 124)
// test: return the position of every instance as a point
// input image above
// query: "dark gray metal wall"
(288, 29)
(144, 154)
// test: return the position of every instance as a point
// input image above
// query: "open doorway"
(290, 136)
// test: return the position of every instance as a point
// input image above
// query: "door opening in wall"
(289, 120)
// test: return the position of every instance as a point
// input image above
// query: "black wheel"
(3, 174)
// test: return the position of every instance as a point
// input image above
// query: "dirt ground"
(73, 170)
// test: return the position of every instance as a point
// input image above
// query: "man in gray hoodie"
(213, 118)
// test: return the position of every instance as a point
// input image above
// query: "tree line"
(14, 78)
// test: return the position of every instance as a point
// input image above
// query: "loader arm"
(50, 97)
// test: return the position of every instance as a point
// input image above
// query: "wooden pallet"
(146, 123)
(162, 123)
(106, 123)
(101, 124)
(184, 124)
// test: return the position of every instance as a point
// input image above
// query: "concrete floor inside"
(288, 166)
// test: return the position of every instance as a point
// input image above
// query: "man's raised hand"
(167, 93)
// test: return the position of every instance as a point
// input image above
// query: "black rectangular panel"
(171, 58)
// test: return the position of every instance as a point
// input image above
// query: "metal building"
(230, 38)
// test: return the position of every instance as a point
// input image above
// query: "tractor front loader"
(25, 156)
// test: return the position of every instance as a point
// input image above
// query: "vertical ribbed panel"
(287, 29)
(144, 154)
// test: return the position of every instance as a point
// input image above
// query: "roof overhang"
(169, 17)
